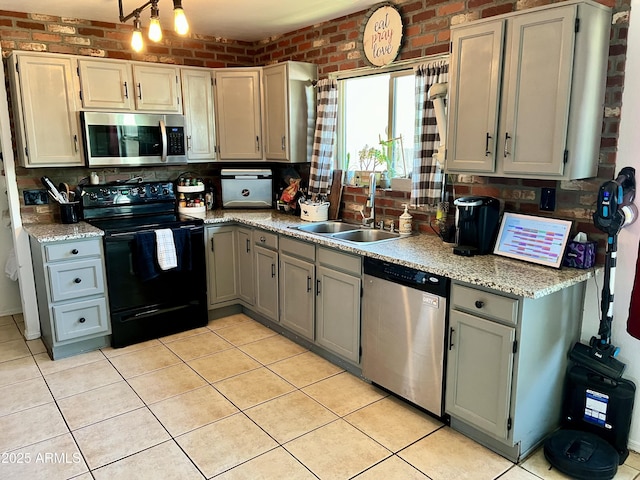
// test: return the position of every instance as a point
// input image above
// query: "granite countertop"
(423, 252)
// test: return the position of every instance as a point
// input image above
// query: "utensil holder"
(70, 212)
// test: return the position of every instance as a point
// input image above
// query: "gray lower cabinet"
(338, 295)
(507, 358)
(266, 268)
(246, 290)
(297, 282)
(222, 264)
(72, 303)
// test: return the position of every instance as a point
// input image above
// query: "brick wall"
(334, 46)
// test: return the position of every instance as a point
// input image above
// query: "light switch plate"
(548, 199)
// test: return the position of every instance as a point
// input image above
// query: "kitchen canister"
(314, 211)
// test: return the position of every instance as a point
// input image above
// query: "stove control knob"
(153, 189)
(93, 196)
(141, 191)
(165, 191)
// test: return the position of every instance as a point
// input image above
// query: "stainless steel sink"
(348, 232)
(362, 236)
(328, 227)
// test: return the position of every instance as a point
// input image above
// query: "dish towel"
(166, 249)
(633, 322)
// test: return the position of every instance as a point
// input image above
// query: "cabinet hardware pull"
(188, 142)
(479, 304)
(318, 287)
(75, 142)
(273, 270)
(126, 90)
(75, 251)
(82, 319)
(257, 143)
(308, 284)
(506, 144)
(487, 152)
(212, 244)
(248, 245)
(139, 91)
(77, 280)
(283, 144)
(451, 332)
(263, 239)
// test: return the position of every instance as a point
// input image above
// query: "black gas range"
(146, 299)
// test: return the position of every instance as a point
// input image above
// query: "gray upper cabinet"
(290, 102)
(237, 96)
(527, 92)
(44, 96)
(197, 97)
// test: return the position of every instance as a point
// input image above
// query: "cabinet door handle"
(273, 270)
(188, 142)
(82, 319)
(75, 142)
(506, 144)
(451, 332)
(283, 142)
(257, 143)
(139, 91)
(487, 152)
(308, 284)
(77, 280)
(318, 287)
(479, 304)
(212, 244)
(248, 243)
(126, 90)
(74, 251)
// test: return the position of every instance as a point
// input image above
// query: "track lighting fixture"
(181, 25)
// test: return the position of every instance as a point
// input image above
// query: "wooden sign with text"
(382, 35)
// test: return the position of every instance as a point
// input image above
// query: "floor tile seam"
(121, 353)
(56, 398)
(183, 336)
(244, 462)
(2, 415)
(192, 389)
(304, 386)
(201, 356)
(17, 358)
(275, 361)
(62, 359)
(384, 460)
(515, 466)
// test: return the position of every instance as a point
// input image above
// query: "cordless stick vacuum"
(615, 210)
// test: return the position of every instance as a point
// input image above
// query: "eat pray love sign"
(382, 35)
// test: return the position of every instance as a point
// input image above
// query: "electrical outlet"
(35, 197)
(548, 199)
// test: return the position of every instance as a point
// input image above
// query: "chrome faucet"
(371, 202)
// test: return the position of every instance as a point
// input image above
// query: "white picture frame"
(539, 240)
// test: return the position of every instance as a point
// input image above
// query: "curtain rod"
(403, 65)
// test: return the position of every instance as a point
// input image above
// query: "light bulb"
(155, 32)
(180, 21)
(136, 41)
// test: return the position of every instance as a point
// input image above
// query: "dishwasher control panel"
(408, 276)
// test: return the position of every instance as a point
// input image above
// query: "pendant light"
(155, 32)
(179, 19)
(136, 39)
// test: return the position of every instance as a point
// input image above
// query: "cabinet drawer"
(80, 319)
(265, 239)
(70, 280)
(67, 251)
(340, 261)
(484, 304)
(297, 248)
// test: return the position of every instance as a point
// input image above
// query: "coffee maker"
(477, 221)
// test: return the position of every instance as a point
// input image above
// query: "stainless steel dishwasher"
(404, 313)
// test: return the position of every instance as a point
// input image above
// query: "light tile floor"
(233, 400)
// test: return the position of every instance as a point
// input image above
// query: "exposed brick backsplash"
(334, 46)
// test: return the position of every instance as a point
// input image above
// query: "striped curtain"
(324, 138)
(426, 180)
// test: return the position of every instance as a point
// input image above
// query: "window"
(377, 123)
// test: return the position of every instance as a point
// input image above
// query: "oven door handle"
(122, 236)
(163, 133)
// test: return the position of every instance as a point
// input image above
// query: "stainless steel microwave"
(132, 139)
